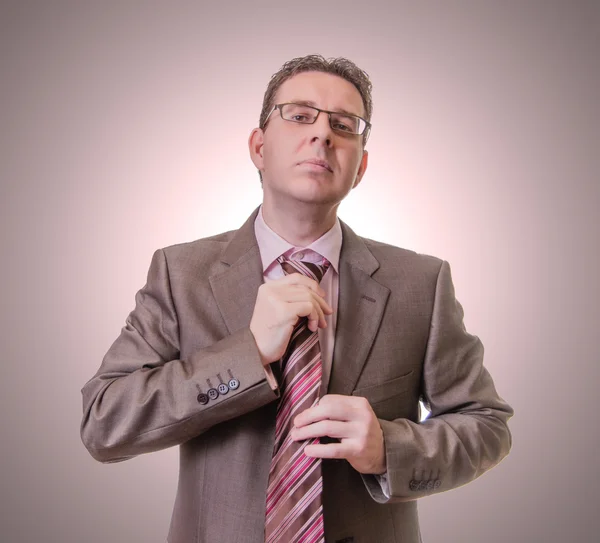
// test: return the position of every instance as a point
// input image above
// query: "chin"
(306, 187)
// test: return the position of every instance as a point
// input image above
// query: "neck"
(301, 224)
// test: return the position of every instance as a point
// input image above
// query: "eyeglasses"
(344, 123)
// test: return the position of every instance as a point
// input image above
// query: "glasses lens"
(346, 123)
(298, 113)
(341, 122)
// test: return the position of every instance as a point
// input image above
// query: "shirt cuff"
(271, 377)
(383, 483)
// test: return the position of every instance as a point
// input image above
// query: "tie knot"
(310, 269)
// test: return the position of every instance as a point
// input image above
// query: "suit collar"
(354, 251)
(242, 243)
(272, 245)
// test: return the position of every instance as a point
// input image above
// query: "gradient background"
(124, 128)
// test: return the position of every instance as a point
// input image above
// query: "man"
(288, 358)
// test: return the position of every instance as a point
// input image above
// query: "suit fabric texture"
(400, 338)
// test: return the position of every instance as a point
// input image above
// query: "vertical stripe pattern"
(294, 506)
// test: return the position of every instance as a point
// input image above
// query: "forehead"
(327, 91)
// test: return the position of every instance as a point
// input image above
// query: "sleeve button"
(213, 393)
(223, 388)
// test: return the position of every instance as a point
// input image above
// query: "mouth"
(318, 164)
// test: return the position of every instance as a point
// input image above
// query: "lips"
(318, 162)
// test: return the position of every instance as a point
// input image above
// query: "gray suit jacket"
(400, 337)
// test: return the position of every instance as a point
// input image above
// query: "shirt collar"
(271, 245)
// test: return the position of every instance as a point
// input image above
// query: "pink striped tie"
(294, 505)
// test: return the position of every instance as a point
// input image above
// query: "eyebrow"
(314, 104)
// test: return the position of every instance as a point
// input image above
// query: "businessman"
(287, 358)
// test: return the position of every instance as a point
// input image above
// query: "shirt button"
(299, 256)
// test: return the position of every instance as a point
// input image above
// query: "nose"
(321, 129)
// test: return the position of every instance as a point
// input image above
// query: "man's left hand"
(349, 419)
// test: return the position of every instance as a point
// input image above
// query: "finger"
(332, 407)
(312, 311)
(316, 319)
(330, 450)
(331, 428)
(300, 294)
(321, 307)
(323, 304)
(299, 280)
(318, 316)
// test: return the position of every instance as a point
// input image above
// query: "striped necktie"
(294, 504)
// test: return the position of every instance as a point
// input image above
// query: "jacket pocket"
(388, 389)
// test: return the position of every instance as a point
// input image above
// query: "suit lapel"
(361, 303)
(236, 285)
(361, 300)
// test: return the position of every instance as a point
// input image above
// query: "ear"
(255, 145)
(361, 169)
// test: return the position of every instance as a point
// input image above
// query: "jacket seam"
(435, 291)
(171, 300)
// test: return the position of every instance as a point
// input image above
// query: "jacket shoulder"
(216, 241)
(394, 256)
(200, 256)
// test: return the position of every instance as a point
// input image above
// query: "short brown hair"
(340, 66)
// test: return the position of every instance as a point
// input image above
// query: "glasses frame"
(364, 133)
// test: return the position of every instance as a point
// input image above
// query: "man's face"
(282, 150)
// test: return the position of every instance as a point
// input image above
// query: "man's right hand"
(279, 305)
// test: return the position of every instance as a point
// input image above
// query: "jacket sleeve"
(145, 398)
(466, 433)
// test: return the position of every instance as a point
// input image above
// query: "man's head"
(285, 139)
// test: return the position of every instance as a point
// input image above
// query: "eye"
(344, 123)
(342, 127)
(298, 113)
